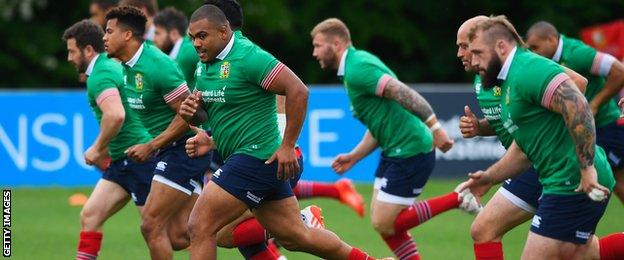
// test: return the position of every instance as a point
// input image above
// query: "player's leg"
(243, 231)
(563, 227)
(177, 229)
(513, 204)
(609, 247)
(106, 199)
(214, 209)
(611, 139)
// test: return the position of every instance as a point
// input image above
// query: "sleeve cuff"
(110, 92)
(552, 86)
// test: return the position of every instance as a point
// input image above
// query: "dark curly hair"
(129, 18)
(86, 33)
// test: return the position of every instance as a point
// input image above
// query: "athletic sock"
(307, 189)
(403, 246)
(489, 251)
(422, 211)
(89, 245)
(357, 254)
(612, 247)
(249, 232)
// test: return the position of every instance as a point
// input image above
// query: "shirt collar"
(557, 56)
(227, 49)
(505, 69)
(91, 65)
(176, 49)
(136, 57)
(341, 66)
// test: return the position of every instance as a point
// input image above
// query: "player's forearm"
(613, 85)
(579, 120)
(110, 125)
(510, 165)
(366, 146)
(176, 129)
(296, 106)
(485, 129)
(409, 99)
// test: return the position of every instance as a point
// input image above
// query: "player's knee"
(179, 240)
(148, 227)
(294, 241)
(90, 220)
(481, 233)
(224, 239)
(383, 226)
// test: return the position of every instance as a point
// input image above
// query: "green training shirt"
(529, 83)
(399, 133)
(489, 103)
(105, 79)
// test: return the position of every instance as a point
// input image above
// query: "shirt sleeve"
(170, 81)
(539, 81)
(262, 68)
(104, 84)
(367, 79)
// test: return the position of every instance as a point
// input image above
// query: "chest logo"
(138, 80)
(224, 73)
(497, 91)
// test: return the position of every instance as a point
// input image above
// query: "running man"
(237, 85)
(120, 128)
(154, 89)
(406, 139)
(538, 98)
(606, 79)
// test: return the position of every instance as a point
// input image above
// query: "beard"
(167, 46)
(82, 64)
(489, 77)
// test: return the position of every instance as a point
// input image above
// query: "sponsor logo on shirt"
(161, 166)
(253, 197)
(497, 91)
(537, 221)
(224, 73)
(492, 113)
(216, 96)
(136, 103)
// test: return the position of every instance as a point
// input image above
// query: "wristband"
(435, 127)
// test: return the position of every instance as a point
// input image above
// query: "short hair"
(332, 27)
(150, 5)
(543, 30)
(86, 33)
(129, 17)
(171, 19)
(105, 4)
(497, 27)
(232, 10)
(211, 13)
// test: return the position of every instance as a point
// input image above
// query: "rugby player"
(552, 128)
(237, 85)
(407, 138)
(120, 128)
(154, 89)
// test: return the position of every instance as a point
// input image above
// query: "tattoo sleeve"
(572, 105)
(408, 98)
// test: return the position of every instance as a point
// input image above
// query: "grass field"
(46, 227)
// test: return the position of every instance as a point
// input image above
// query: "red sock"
(357, 254)
(612, 247)
(89, 245)
(489, 251)
(249, 232)
(422, 211)
(273, 248)
(307, 189)
(403, 246)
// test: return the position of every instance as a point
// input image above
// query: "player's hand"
(198, 145)
(97, 157)
(442, 141)
(589, 181)
(468, 124)
(343, 163)
(189, 106)
(288, 165)
(479, 183)
(140, 152)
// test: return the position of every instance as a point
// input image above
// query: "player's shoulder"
(106, 68)
(573, 43)
(359, 62)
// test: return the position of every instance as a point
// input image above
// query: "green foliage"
(415, 38)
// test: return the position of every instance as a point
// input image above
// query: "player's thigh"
(497, 217)
(384, 214)
(281, 218)
(214, 209)
(163, 201)
(179, 222)
(106, 199)
(224, 236)
(541, 247)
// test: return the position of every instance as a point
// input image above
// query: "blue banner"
(43, 135)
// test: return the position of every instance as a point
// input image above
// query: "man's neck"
(131, 48)
(338, 57)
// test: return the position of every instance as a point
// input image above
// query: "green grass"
(46, 227)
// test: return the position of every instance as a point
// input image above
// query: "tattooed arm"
(417, 105)
(568, 101)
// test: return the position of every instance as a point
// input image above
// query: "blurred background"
(415, 38)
